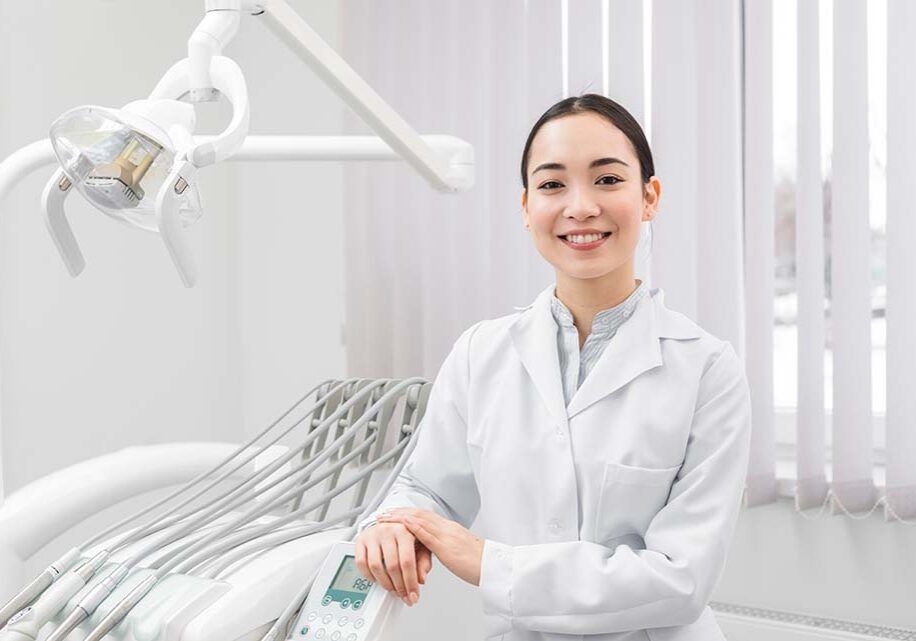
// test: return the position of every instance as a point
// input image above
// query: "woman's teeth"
(587, 238)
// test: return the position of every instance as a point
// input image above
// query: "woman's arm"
(437, 477)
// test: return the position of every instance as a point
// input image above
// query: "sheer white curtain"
(422, 266)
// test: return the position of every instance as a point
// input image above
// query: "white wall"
(124, 354)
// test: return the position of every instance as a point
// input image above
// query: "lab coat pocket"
(630, 497)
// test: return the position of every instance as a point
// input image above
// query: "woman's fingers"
(392, 564)
(424, 561)
(408, 563)
(361, 563)
(377, 565)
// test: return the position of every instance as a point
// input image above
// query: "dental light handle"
(52, 203)
(169, 221)
(227, 77)
(34, 589)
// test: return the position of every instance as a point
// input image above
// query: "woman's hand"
(455, 546)
(387, 553)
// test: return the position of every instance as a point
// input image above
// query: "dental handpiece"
(34, 589)
(24, 626)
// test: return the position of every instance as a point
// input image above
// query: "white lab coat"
(611, 516)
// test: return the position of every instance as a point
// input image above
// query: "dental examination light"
(139, 164)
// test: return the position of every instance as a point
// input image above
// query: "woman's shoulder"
(489, 332)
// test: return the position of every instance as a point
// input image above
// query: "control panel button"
(327, 618)
(312, 616)
(320, 634)
(326, 600)
(357, 604)
(336, 636)
(351, 637)
(304, 631)
(345, 603)
(343, 621)
(358, 623)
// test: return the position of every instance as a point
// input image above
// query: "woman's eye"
(615, 180)
(547, 185)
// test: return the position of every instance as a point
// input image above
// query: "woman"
(600, 439)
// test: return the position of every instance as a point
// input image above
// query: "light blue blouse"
(575, 366)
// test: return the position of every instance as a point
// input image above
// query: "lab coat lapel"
(534, 335)
(634, 349)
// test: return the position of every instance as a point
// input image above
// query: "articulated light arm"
(362, 99)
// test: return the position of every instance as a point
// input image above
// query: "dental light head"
(119, 159)
(138, 164)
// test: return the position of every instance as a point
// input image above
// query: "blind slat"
(901, 262)
(585, 67)
(809, 259)
(850, 313)
(759, 205)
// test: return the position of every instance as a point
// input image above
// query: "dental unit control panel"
(343, 605)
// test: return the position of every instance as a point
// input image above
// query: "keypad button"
(351, 637)
(345, 603)
(327, 618)
(304, 631)
(312, 616)
(357, 604)
(320, 634)
(326, 600)
(358, 624)
(335, 636)
(343, 621)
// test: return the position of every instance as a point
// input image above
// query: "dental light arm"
(145, 173)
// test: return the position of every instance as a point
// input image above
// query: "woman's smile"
(585, 242)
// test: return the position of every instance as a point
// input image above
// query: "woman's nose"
(582, 206)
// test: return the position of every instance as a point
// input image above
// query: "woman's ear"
(525, 208)
(653, 192)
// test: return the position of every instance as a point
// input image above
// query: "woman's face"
(584, 180)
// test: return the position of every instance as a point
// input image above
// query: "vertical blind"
(423, 266)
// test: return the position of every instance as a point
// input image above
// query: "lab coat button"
(555, 525)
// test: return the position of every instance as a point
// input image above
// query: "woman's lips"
(586, 246)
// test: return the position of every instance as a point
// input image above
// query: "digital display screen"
(349, 587)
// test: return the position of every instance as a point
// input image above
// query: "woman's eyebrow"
(595, 163)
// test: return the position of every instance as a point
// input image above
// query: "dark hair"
(617, 115)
